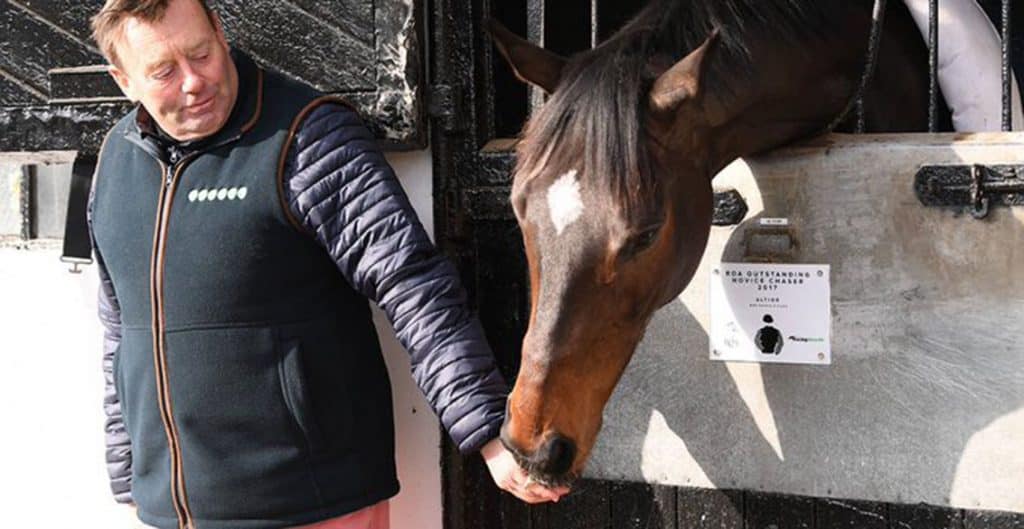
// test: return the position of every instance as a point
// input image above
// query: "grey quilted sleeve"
(119, 450)
(340, 188)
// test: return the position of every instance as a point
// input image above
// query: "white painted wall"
(417, 432)
(52, 472)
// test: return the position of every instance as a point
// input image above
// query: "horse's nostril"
(557, 455)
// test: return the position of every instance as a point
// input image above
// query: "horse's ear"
(531, 63)
(684, 81)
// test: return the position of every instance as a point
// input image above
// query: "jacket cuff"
(476, 440)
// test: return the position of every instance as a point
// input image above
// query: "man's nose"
(193, 83)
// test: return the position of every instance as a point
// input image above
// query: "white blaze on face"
(564, 201)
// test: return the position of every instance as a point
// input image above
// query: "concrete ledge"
(924, 401)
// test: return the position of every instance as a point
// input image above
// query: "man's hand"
(509, 476)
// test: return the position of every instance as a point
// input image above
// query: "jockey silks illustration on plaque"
(777, 313)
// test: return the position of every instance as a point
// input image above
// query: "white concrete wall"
(52, 472)
(10, 199)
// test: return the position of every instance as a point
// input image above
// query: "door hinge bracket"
(444, 105)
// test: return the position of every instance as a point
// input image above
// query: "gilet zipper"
(169, 182)
(179, 496)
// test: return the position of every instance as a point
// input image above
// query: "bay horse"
(612, 185)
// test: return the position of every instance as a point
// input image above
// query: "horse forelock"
(594, 121)
(592, 124)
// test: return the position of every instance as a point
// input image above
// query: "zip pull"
(175, 155)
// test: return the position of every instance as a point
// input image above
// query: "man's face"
(180, 69)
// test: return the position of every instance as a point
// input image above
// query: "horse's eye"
(640, 242)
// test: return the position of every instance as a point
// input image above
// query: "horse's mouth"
(536, 470)
(536, 474)
(551, 481)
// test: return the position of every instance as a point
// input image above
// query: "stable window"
(570, 26)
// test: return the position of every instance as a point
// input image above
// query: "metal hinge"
(444, 104)
(975, 188)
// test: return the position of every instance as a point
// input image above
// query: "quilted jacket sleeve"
(119, 450)
(340, 188)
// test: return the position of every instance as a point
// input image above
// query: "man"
(240, 223)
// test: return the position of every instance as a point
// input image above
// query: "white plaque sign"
(779, 313)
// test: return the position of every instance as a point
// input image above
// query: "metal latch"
(975, 188)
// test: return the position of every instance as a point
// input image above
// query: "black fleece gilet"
(241, 342)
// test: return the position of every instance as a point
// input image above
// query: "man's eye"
(161, 75)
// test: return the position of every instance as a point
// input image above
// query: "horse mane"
(598, 109)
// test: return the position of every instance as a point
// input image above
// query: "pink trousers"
(372, 517)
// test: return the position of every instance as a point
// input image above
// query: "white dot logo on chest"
(564, 201)
(224, 194)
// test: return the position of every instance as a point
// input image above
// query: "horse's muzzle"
(556, 456)
(551, 463)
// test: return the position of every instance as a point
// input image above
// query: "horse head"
(612, 192)
(612, 187)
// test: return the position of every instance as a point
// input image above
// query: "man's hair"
(107, 25)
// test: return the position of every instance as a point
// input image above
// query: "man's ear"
(531, 63)
(123, 81)
(683, 83)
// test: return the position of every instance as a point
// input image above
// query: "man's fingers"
(530, 495)
(548, 493)
(510, 476)
(533, 492)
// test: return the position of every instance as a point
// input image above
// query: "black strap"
(77, 246)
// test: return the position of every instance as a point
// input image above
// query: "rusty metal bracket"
(972, 188)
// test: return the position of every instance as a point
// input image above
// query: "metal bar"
(870, 62)
(535, 34)
(594, 24)
(1007, 70)
(874, 42)
(933, 65)
(1005, 186)
(859, 105)
(25, 202)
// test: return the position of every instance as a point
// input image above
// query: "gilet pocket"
(296, 391)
